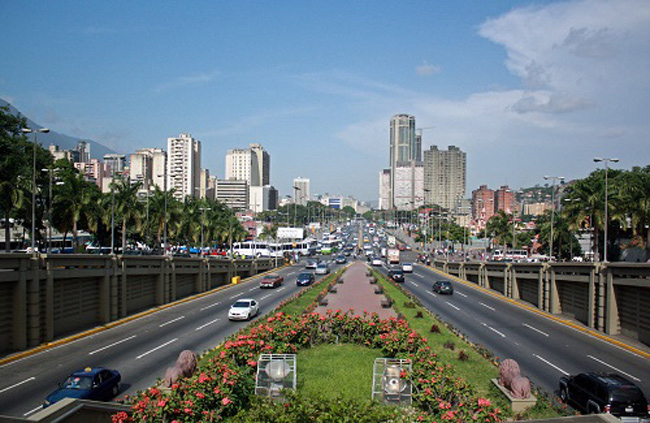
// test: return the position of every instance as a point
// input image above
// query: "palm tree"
(499, 228)
(635, 194)
(126, 205)
(75, 202)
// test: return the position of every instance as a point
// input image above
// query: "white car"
(377, 261)
(322, 269)
(243, 309)
(407, 267)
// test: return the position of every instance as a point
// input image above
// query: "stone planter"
(518, 405)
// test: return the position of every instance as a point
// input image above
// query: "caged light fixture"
(275, 373)
(391, 384)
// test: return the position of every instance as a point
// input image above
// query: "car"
(305, 279)
(407, 267)
(92, 383)
(311, 264)
(271, 281)
(397, 275)
(376, 261)
(322, 269)
(340, 259)
(243, 309)
(595, 392)
(443, 287)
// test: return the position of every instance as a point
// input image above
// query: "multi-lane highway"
(141, 349)
(544, 348)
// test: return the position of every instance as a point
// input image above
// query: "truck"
(393, 256)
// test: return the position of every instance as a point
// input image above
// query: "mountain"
(65, 142)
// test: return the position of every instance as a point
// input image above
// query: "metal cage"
(275, 373)
(390, 384)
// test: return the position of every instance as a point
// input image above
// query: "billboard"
(290, 233)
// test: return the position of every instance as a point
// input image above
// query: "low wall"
(609, 297)
(46, 297)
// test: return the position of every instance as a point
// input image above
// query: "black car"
(340, 259)
(443, 287)
(594, 392)
(94, 383)
(397, 275)
(305, 279)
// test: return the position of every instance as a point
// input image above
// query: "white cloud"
(426, 69)
(182, 81)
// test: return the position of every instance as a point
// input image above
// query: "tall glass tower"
(404, 147)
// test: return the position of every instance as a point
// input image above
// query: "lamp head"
(598, 159)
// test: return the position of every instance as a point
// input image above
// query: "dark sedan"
(397, 276)
(305, 279)
(93, 383)
(443, 287)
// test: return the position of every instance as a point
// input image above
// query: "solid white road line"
(493, 330)
(156, 349)
(486, 306)
(452, 306)
(535, 329)
(461, 294)
(210, 306)
(612, 367)
(413, 283)
(172, 321)
(551, 364)
(40, 407)
(17, 384)
(112, 345)
(238, 295)
(207, 324)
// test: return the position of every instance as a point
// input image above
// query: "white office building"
(301, 191)
(183, 166)
(251, 164)
(234, 193)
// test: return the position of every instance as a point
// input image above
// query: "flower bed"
(225, 381)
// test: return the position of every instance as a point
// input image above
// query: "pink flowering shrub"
(224, 382)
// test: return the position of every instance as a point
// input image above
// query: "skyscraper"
(183, 166)
(251, 164)
(302, 194)
(444, 176)
(405, 149)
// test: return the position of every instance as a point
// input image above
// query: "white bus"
(304, 248)
(251, 249)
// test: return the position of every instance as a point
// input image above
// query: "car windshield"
(270, 276)
(78, 382)
(322, 265)
(242, 304)
(304, 276)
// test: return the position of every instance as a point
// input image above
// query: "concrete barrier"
(43, 298)
(609, 297)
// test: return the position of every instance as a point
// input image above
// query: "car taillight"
(648, 408)
(607, 408)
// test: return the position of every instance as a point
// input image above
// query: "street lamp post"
(607, 161)
(295, 204)
(49, 218)
(203, 209)
(164, 175)
(554, 179)
(29, 131)
(113, 214)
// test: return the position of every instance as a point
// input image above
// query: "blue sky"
(526, 88)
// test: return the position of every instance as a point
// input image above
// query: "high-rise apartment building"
(302, 192)
(251, 164)
(183, 166)
(384, 189)
(234, 193)
(83, 150)
(444, 176)
(408, 188)
(403, 148)
(505, 200)
(482, 205)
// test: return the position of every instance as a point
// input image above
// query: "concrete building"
(444, 176)
(92, 170)
(83, 151)
(505, 200)
(263, 198)
(234, 193)
(183, 166)
(403, 148)
(482, 205)
(408, 191)
(114, 164)
(536, 209)
(58, 154)
(384, 189)
(205, 190)
(251, 164)
(302, 193)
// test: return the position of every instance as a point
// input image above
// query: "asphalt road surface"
(141, 350)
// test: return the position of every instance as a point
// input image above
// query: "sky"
(525, 88)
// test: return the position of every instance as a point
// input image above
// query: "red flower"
(226, 401)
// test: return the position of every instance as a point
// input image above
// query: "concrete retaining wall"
(610, 297)
(43, 298)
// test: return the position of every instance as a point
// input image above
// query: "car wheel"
(564, 394)
(116, 390)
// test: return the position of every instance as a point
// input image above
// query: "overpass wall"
(43, 298)
(609, 297)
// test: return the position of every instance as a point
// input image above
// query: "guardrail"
(43, 298)
(610, 297)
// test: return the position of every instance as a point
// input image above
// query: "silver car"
(322, 269)
(243, 309)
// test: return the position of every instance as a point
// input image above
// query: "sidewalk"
(356, 293)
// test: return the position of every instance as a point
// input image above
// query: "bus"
(251, 249)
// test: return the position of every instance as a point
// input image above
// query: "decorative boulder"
(520, 387)
(184, 367)
(508, 369)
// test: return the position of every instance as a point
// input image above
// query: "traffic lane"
(162, 332)
(561, 348)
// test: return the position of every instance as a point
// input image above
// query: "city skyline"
(525, 88)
